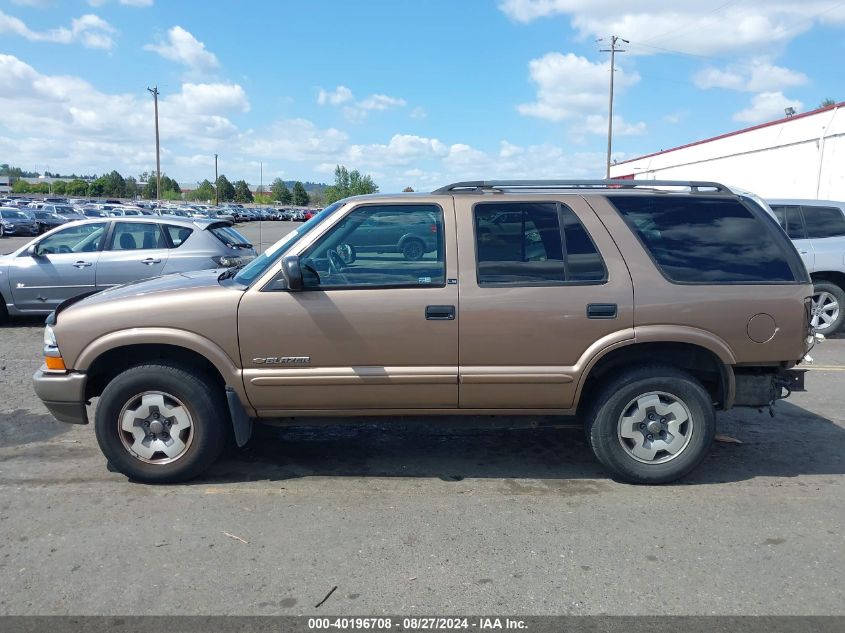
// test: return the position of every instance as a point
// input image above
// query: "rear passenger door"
(541, 285)
(791, 220)
(134, 251)
(826, 232)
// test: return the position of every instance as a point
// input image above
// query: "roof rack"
(480, 186)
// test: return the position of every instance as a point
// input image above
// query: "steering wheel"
(336, 265)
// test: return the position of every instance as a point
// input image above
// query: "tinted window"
(76, 239)
(705, 240)
(131, 236)
(380, 245)
(790, 220)
(823, 221)
(13, 215)
(177, 234)
(522, 243)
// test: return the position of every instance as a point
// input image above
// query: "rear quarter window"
(823, 221)
(706, 240)
(177, 234)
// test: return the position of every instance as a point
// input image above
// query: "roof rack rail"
(477, 186)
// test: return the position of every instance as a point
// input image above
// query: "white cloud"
(767, 106)
(339, 95)
(704, 27)
(755, 76)
(572, 88)
(182, 47)
(90, 30)
(355, 110)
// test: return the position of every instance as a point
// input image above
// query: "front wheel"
(159, 423)
(827, 314)
(651, 425)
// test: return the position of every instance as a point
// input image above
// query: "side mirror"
(32, 251)
(292, 272)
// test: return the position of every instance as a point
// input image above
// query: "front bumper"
(62, 394)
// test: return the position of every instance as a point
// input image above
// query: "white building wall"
(799, 157)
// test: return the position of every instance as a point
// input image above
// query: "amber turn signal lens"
(54, 362)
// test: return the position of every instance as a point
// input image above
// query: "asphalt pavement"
(404, 517)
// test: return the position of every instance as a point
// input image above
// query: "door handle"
(150, 261)
(602, 310)
(81, 264)
(440, 313)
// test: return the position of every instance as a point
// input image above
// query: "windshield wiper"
(229, 272)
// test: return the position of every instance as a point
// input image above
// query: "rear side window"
(524, 243)
(177, 234)
(229, 236)
(790, 220)
(823, 221)
(705, 240)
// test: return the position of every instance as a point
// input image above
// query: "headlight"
(226, 261)
(52, 357)
(49, 337)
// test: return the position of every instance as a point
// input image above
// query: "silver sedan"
(90, 255)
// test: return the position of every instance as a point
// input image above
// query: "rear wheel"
(159, 423)
(651, 425)
(413, 249)
(828, 307)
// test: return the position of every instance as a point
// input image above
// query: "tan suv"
(641, 308)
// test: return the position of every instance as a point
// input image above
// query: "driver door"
(63, 265)
(376, 333)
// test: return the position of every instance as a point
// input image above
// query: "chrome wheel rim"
(824, 310)
(155, 427)
(655, 427)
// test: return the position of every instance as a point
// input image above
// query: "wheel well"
(832, 276)
(698, 361)
(111, 363)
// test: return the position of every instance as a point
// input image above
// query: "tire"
(828, 307)
(184, 396)
(672, 396)
(413, 249)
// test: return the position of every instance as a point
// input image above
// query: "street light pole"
(154, 91)
(216, 184)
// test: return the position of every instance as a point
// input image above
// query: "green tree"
(205, 191)
(21, 186)
(348, 183)
(77, 187)
(114, 185)
(408, 190)
(132, 189)
(170, 184)
(242, 192)
(281, 192)
(97, 188)
(827, 103)
(262, 198)
(226, 189)
(60, 188)
(300, 196)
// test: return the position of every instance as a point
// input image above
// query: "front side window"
(525, 243)
(824, 221)
(705, 240)
(133, 236)
(380, 246)
(76, 239)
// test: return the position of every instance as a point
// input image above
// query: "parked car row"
(89, 255)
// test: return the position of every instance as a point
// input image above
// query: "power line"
(694, 22)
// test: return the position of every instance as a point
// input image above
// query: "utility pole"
(261, 179)
(154, 92)
(612, 50)
(216, 184)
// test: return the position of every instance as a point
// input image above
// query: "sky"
(415, 93)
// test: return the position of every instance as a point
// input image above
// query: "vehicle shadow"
(795, 442)
(23, 321)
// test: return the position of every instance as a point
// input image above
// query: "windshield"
(260, 264)
(13, 215)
